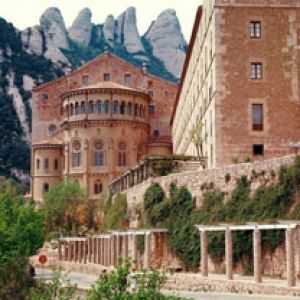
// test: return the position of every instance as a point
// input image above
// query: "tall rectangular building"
(241, 81)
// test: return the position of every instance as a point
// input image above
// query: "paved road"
(85, 281)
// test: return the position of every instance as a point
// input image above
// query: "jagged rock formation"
(168, 46)
(32, 39)
(167, 41)
(132, 39)
(109, 30)
(56, 34)
(81, 29)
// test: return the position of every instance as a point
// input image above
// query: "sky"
(26, 13)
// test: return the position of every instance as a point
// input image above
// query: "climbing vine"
(276, 201)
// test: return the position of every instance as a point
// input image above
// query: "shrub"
(115, 213)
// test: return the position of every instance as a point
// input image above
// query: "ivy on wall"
(276, 201)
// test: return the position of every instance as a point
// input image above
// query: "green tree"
(61, 205)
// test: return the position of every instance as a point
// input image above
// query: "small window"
(256, 70)
(46, 164)
(85, 79)
(258, 149)
(127, 78)
(155, 132)
(46, 187)
(135, 109)
(150, 93)
(38, 162)
(255, 29)
(45, 96)
(52, 129)
(257, 117)
(98, 188)
(151, 109)
(56, 164)
(106, 77)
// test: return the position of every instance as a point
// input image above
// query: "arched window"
(122, 154)
(77, 110)
(46, 187)
(122, 108)
(106, 106)
(116, 106)
(98, 153)
(99, 106)
(91, 107)
(71, 109)
(76, 154)
(38, 162)
(83, 107)
(46, 164)
(98, 188)
(129, 108)
(140, 110)
(66, 110)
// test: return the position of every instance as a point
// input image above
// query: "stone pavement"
(85, 281)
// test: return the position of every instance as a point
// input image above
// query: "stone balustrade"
(105, 249)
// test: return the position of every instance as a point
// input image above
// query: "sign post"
(42, 261)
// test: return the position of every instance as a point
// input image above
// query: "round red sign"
(42, 259)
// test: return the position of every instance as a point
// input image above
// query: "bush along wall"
(268, 203)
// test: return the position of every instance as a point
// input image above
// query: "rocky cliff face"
(163, 47)
(81, 29)
(167, 41)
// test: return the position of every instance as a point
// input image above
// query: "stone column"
(89, 249)
(73, 249)
(85, 250)
(204, 253)
(97, 251)
(147, 251)
(79, 251)
(135, 250)
(65, 251)
(113, 250)
(94, 250)
(228, 253)
(101, 252)
(257, 255)
(69, 250)
(118, 254)
(290, 258)
(59, 250)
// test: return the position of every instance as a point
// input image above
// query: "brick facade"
(228, 70)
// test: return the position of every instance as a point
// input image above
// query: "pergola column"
(69, 251)
(59, 250)
(228, 253)
(89, 249)
(102, 251)
(147, 238)
(257, 255)
(113, 250)
(85, 249)
(204, 253)
(65, 251)
(94, 250)
(290, 258)
(80, 243)
(98, 250)
(135, 250)
(118, 248)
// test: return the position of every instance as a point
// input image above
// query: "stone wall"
(224, 178)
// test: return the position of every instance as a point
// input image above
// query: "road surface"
(85, 281)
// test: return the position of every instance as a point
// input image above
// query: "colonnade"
(105, 249)
(290, 240)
